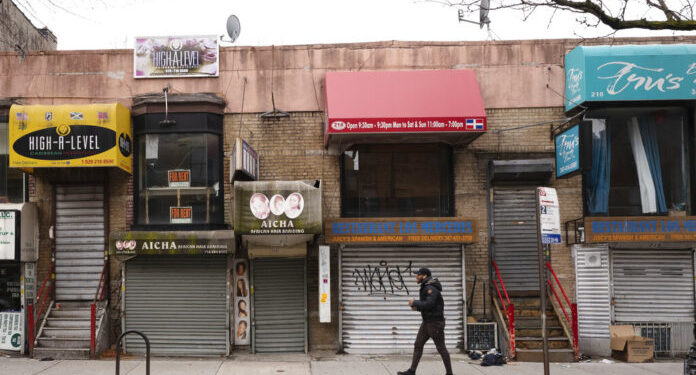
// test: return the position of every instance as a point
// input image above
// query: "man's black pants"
(436, 331)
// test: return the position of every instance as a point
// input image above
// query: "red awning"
(384, 106)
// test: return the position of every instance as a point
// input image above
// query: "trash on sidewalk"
(493, 360)
(629, 347)
(607, 361)
(475, 354)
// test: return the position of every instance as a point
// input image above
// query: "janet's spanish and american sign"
(95, 135)
(403, 230)
(640, 229)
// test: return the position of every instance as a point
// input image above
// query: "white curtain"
(645, 180)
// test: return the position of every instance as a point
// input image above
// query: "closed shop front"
(376, 284)
(593, 294)
(179, 302)
(279, 304)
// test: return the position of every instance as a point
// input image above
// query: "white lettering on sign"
(631, 75)
(159, 245)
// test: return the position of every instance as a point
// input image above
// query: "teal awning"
(630, 73)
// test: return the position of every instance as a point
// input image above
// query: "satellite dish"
(233, 28)
(483, 13)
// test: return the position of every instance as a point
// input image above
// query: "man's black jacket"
(431, 304)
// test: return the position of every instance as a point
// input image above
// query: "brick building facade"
(521, 83)
(19, 34)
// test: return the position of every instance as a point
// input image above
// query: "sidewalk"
(321, 365)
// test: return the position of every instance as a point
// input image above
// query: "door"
(179, 302)
(279, 305)
(80, 242)
(514, 232)
(376, 285)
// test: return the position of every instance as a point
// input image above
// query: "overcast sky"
(104, 24)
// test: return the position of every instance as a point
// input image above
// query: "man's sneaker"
(407, 372)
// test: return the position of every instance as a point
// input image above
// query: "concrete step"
(535, 322)
(536, 332)
(70, 313)
(61, 353)
(66, 332)
(536, 355)
(528, 303)
(64, 342)
(538, 342)
(67, 323)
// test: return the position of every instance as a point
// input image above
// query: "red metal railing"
(573, 319)
(508, 307)
(98, 297)
(42, 297)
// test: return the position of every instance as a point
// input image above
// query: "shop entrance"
(80, 242)
(514, 244)
(279, 305)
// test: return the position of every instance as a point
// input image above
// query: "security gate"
(80, 241)
(376, 285)
(179, 302)
(653, 285)
(515, 238)
(279, 305)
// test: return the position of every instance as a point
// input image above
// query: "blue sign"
(568, 151)
(550, 238)
(630, 72)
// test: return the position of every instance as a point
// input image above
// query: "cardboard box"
(627, 346)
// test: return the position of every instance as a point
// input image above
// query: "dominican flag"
(474, 124)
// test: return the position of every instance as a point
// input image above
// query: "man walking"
(432, 309)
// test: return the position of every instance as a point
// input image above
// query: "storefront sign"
(29, 281)
(549, 215)
(640, 229)
(176, 56)
(8, 226)
(630, 72)
(172, 243)
(179, 178)
(11, 331)
(324, 284)
(568, 151)
(277, 207)
(242, 310)
(244, 162)
(180, 215)
(401, 230)
(94, 135)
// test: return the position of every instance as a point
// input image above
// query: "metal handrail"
(33, 319)
(573, 319)
(509, 308)
(98, 297)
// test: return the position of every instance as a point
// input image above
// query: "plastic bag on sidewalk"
(493, 360)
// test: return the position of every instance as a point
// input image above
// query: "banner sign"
(11, 331)
(277, 207)
(640, 229)
(172, 243)
(179, 178)
(401, 230)
(176, 56)
(94, 135)
(242, 307)
(180, 215)
(630, 72)
(324, 284)
(8, 235)
(567, 151)
(397, 125)
(549, 215)
(244, 162)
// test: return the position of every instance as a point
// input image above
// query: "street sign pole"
(548, 232)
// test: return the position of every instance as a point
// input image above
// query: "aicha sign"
(277, 207)
(176, 56)
(172, 243)
(630, 72)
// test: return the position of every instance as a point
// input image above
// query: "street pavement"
(328, 364)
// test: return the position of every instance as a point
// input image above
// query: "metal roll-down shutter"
(179, 302)
(376, 285)
(280, 304)
(515, 238)
(80, 241)
(653, 285)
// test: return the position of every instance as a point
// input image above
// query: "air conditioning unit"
(593, 259)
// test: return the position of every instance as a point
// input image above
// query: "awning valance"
(403, 106)
(93, 135)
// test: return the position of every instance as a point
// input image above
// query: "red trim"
(30, 317)
(509, 308)
(92, 328)
(511, 323)
(573, 319)
(548, 264)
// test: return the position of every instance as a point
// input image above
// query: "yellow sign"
(93, 135)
